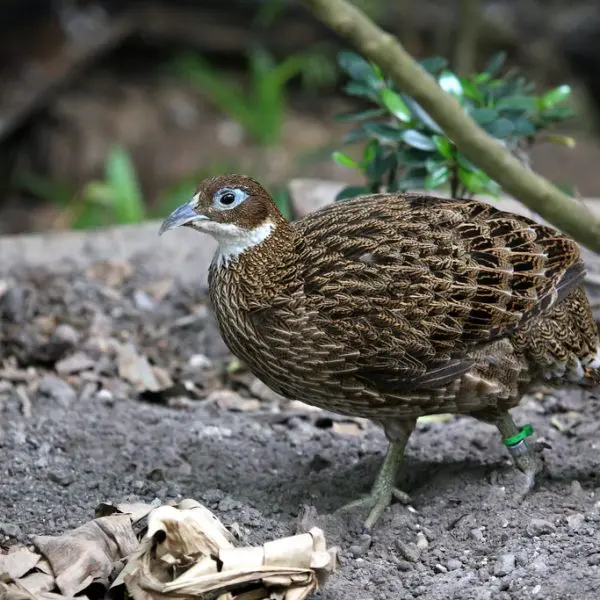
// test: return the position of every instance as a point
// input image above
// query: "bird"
(392, 306)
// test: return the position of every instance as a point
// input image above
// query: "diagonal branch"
(531, 189)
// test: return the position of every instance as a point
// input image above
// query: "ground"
(116, 386)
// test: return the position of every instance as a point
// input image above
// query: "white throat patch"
(234, 241)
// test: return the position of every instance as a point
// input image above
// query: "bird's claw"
(376, 502)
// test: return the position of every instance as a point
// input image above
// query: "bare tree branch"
(531, 189)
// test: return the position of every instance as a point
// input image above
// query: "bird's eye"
(228, 198)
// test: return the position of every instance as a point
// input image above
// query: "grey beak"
(182, 215)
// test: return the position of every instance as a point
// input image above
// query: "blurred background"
(105, 100)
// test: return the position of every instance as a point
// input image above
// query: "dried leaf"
(18, 562)
(346, 428)
(191, 539)
(136, 369)
(88, 553)
(111, 272)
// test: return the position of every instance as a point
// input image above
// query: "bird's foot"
(376, 502)
(528, 466)
(523, 455)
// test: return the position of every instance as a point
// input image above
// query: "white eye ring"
(228, 198)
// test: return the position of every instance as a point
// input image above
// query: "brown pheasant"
(393, 306)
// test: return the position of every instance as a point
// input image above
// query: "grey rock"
(575, 522)
(57, 389)
(62, 477)
(66, 334)
(453, 564)
(539, 566)
(408, 551)
(75, 363)
(404, 565)
(440, 569)
(362, 547)
(504, 565)
(10, 530)
(539, 527)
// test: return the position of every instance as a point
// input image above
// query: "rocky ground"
(115, 386)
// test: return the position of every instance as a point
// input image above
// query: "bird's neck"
(254, 268)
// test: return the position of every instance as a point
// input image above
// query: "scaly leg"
(384, 490)
(522, 454)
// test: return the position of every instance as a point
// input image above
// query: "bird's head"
(236, 210)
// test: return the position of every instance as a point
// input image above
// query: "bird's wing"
(415, 282)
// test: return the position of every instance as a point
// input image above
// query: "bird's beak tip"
(182, 215)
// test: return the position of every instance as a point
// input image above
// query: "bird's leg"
(384, 489)
(523, 455)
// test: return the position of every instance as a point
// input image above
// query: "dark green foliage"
(404, 148)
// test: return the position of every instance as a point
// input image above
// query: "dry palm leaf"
(187, 553)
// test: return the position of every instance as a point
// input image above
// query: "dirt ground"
(115, 386)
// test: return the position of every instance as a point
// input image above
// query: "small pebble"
(453, 564)
(576, 489)
(594, 560)
(10, 529)
(539, 527)
(75, 363)
(422, 543)
(57, 389)
(404, 565)
(440, 569)
(62, 477)
(200, 361)
(477, 534)
(409, 551)
(575, 522)
(539, 566)
(362, 547)
(65, 333)
(504, 565)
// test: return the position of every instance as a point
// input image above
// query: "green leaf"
(412, 179)
(421, 114)
(450, 83)
(358, 68)
(444, 146)
(516, 103)
(394, 103)
(351, 191)
(523, 126)
(557, 113)
(358, 134)
(501, 129)
(495, 64)
(464, 162)
(359, 90)
(415, 139)
(556, 96)
(44, 188)
(483, 116)
(384, 132)
(563, 140)
(370, 152)
(120, 176)
(412, 157)
(477, 182)
(344, 160)
(370, 113)
(434, 65)
(437, 178)
(471, 91)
